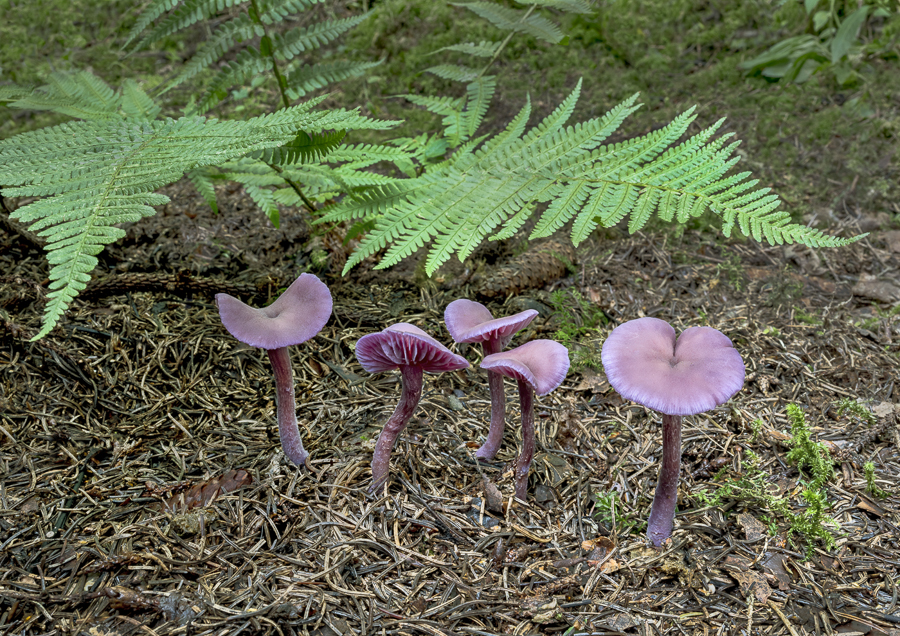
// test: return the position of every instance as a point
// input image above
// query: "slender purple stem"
(409, 400)
(498, 407)
(288, 430)
(523, 466)
(662, 513)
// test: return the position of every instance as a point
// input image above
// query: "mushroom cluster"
(690, 374)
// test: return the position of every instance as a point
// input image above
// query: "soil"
(144, 489)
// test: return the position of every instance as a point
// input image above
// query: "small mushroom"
(469, 321)
(538, 367)
(406, 347)
(695, 373)
(296, 316)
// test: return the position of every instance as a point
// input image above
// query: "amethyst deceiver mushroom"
(295, 316)
(538, 367)
(469, 321)
(406, 347)
(694, 373)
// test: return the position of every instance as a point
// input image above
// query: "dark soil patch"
(144, 490)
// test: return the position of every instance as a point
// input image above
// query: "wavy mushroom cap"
(402, 345)
(694, 373)
(469, 321)
(295, 316)
(543, 364)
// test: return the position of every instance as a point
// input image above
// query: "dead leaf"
(493, 499)
(774, 565)
(870, 506)
(752, 581)
(202, 494)
(753, 527)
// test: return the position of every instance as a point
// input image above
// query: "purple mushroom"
(695, 373)
(468, 321)
(538, 367)
(296, 316)
(408, 348)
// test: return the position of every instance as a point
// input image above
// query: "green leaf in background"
(810, 5)
(847, 32)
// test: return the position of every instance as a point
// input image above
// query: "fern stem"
(502, 46)
(294, 186)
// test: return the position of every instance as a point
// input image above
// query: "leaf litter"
(143, 486)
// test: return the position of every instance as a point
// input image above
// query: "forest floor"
(144, 489)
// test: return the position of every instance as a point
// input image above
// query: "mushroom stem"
(288, 430)
(523, 465)
(409, 400)
(662, 513)
(498, 408)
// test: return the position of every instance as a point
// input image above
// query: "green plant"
(805, 452)
(751, 485)
(608, 510)
(871, 487)
(855, 409)
(576, 316)
(486, 189)
(831, 42)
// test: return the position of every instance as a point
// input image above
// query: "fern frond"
(136, 104)
(303, 148)
(480, 92)
(286, 46)
(247, 64)
(264, 199)
(216, 45)
(274, 11)
(568, 6)
(482, 49)
(308, 78)
(514, 20)
(150, 13)
(453, 72)
(98, 174)
(202, 178)
(82, 95)
(495, 186)
(188, 13)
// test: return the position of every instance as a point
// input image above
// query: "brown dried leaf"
(202, 494)
(753, 527)
(753, 582)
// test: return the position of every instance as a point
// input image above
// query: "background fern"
(97, 174)
(493, 185)
(264, 39)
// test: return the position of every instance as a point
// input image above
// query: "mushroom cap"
(469, 321)
(694, 373)
(543, 364)
(403, 345)
(295, 316)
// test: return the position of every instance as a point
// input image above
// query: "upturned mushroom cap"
(469, 321)
(543, 364)
(404, 344)
(296, 316)
(694, 373)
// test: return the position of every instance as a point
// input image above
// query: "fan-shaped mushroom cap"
(469, 321)
(694, 373)
(404, 344)
(295, 316)
(543, 364)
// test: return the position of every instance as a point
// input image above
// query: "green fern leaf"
(513, 20)
(216, 45)
(188, 13)
(453, 72)
(136, 104)
(202, 178)
(247, 64)
(98, 174)
(290, 44)
(264, 199)
(568, 6)
(82, 95)
(308, 78)
(480, 92)
(274, 11)
(482, 49)
(150, 13)
(303, 148)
